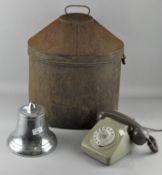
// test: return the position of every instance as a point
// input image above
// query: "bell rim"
(38, 154)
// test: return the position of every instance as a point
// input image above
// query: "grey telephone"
(111, 138)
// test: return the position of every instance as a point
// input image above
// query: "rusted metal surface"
(74, 70)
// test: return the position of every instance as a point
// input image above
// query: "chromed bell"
(32, 136)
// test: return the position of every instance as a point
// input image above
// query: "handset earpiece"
(138, 134)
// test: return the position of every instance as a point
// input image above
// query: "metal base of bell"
(32, 136)
(37, 147)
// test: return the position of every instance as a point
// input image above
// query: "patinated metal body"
(75, 70)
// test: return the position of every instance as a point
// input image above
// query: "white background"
(139, 24)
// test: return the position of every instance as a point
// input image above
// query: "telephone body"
(108, 141)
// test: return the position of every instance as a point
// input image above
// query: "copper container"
(74, 66)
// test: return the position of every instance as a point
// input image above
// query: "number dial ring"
(104, 136)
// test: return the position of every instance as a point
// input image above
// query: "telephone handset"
(111, 138)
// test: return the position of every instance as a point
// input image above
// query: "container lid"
(75, 34)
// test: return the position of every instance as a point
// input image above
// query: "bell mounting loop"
(30, 107)
(82, 6)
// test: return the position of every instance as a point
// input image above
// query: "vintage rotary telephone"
(111, 138)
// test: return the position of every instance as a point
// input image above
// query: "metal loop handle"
(84, 6)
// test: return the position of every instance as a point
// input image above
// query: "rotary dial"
(103, 136)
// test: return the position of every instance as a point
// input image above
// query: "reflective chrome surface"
(32, 136)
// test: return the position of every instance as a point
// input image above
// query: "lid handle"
(82, 6)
